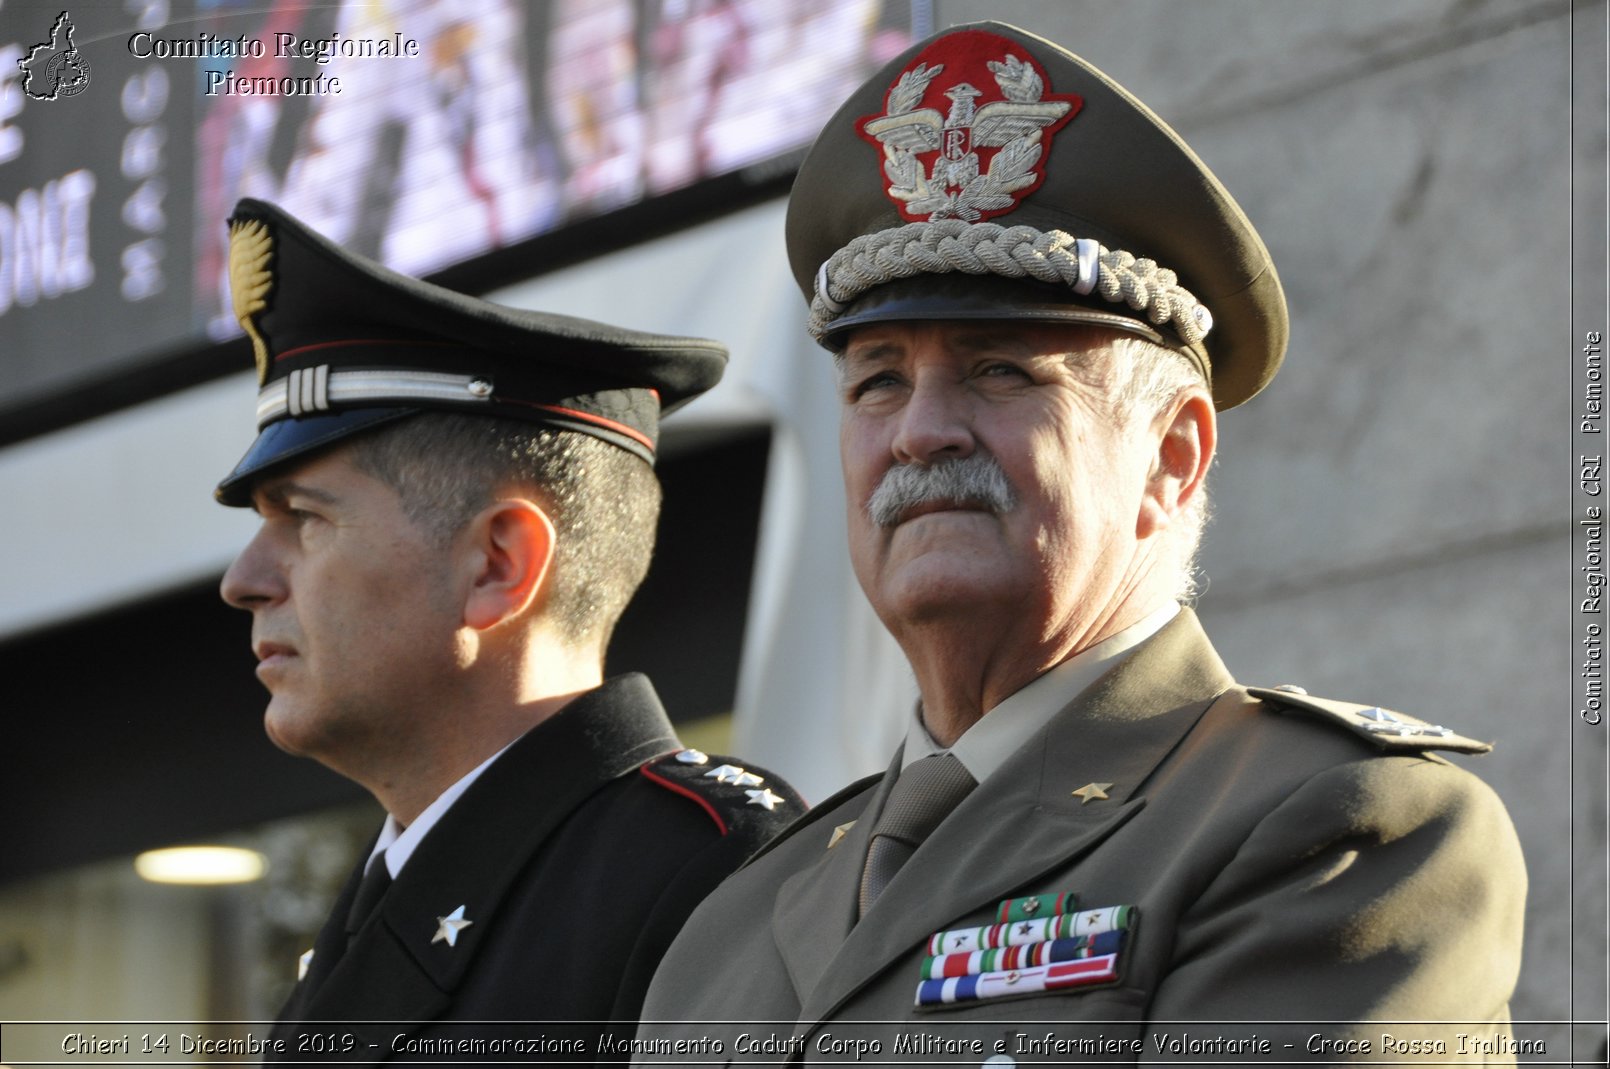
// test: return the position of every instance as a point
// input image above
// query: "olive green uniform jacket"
(1286, 863)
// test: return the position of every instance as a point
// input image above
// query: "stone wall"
(1392, 522)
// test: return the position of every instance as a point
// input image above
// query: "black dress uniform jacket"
(576, 857)
(1284, 864)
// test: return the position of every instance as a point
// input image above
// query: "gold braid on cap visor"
(936, 248)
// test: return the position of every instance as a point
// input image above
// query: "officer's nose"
(253, 580)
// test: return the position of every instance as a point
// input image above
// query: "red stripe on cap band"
(409, 342)
(587, 417)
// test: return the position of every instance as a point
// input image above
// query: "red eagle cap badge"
(966, 129)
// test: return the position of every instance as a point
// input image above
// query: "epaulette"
(735, 797)
(1389, 731)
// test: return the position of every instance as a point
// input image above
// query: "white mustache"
(972, 480)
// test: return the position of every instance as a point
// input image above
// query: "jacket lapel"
(328, 949)
(815, 908)
(378, 990)
(397, 969)
(1024, 821)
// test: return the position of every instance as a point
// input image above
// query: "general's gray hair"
(1147, 379)
(603, 501)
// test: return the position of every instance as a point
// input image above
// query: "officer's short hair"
(604, 502)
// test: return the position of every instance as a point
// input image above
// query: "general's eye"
(1003, 370)
(871, 383)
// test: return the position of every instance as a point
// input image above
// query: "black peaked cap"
(344, 344)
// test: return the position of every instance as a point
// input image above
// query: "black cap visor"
(298, 439)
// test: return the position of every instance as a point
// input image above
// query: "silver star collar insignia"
(448, 927)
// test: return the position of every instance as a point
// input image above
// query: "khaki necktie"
(923, 796)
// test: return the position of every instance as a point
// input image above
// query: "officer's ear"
(509, 547)
(1186, 432)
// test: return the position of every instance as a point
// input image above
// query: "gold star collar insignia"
(839, 831)
(1092, 792)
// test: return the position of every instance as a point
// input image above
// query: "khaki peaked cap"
(988, 126)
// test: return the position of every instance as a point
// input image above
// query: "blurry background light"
(201, 865)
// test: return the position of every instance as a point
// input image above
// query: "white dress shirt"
(398, 843)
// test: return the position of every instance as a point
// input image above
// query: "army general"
(1037, 299)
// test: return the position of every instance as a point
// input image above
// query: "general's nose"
(934, 424)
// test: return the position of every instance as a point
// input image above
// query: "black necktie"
(923, 796)
(370, 890)
(333, 942)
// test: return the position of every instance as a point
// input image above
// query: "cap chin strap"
(951, 245)
(318, 389)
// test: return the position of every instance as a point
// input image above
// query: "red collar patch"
(966, 129)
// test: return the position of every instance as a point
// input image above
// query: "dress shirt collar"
(398, 843)
(1003, 730)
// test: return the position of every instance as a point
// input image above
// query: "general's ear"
(1186, 434)
(511, 545)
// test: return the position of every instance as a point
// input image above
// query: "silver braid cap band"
(1055, 256)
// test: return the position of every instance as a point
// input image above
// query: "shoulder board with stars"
(733, 795)
(1389, 731)
(812, 822)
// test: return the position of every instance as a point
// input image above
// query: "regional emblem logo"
(952, 150)
(55, 68)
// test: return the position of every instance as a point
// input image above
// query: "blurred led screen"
(425, 133)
